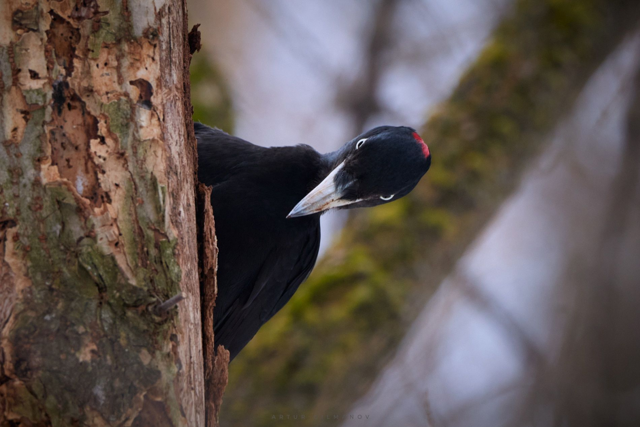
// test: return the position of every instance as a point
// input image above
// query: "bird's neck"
(333, 159)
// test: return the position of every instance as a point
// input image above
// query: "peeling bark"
(215, 365)
(97, 216)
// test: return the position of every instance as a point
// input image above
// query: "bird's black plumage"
(267, 248)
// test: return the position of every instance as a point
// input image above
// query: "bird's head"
(379, 166)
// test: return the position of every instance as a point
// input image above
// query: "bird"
(267, 203)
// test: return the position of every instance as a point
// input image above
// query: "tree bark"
(97, 216)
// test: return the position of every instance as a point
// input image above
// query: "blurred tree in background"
(212, 104)
(322, 351)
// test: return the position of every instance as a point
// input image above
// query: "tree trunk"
(97, 216)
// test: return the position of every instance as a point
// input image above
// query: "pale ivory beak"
(324, 197)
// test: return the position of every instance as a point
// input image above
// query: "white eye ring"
(360, 143)
(388, 197)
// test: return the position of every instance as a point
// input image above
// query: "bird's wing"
(226, 153)
(282, 272)
(292, 268)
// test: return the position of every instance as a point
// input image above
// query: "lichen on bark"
(93, 234)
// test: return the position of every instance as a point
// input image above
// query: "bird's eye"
(360, 143)
(388, 197)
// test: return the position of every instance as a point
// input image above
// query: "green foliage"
(322, 350)
(209, 95)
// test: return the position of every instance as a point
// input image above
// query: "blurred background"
(505, 289)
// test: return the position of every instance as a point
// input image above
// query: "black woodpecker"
(267, 204)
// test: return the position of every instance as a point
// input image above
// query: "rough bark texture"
(97, 216)
(349, 316)
(215, 365)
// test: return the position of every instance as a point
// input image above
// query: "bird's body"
(266, 249)
(262, 254)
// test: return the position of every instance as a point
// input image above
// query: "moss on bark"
(89, 236)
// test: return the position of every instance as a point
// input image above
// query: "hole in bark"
(146, 92)
(7, 223)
